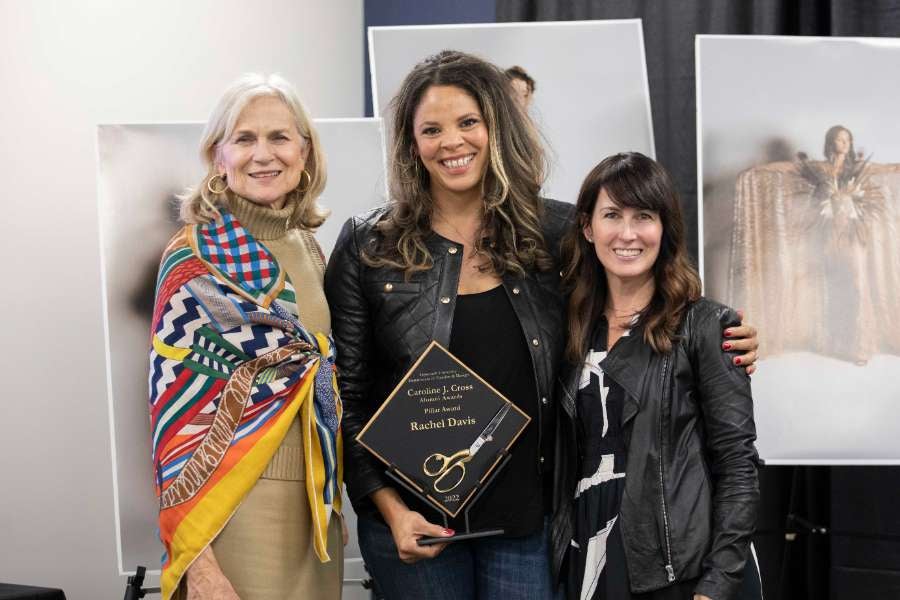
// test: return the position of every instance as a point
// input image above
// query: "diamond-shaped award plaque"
(443, 430)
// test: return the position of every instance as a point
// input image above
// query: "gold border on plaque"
(391, 396)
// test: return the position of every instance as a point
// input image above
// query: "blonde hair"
(200, 205)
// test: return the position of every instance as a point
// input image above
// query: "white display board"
(807, 244)
(141, 168)
(591, 98)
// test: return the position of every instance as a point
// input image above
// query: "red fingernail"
(737, 360)
(726, 346)
(727, 333)
(449, 532)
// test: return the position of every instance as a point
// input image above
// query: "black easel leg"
(790, 537)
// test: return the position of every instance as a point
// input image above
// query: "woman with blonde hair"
(245, 414)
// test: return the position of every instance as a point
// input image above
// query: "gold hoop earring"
(308, 181)
(209, 185)
(416, 168)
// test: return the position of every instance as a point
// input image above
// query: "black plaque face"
(427, 429)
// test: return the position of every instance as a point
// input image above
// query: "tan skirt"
(266, 549)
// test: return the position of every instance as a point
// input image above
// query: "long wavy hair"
(199, 205)
(510, 187)
(635, 181)
(851, 161)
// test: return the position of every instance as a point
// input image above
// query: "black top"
(488, 338)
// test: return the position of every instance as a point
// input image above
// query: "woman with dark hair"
(465, 253)
(850, 219)
(839, 150)
(462, 254)
(660, 425)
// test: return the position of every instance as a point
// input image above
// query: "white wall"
(65, 67)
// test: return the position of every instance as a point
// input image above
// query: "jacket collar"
(628, 365)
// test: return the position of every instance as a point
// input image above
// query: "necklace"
(622, 320)
(466, 240)
(625, 312)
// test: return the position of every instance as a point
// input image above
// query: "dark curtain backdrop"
(858, 556)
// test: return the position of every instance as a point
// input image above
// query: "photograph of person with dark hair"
(800, 213)
(827, 225)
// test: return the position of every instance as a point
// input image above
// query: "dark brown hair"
(512, 182)
(831, 136)
(635, 181)
(517, 72)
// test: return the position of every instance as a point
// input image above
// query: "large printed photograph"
(800, 174)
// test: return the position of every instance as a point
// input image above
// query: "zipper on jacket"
(670, 571)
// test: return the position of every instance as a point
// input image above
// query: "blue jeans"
(483, 568)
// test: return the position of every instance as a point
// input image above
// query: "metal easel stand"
(135, 588)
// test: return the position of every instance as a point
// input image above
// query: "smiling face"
(451, 140)
(263, 158)
(627, 240)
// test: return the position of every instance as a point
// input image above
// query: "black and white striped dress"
(597, 565)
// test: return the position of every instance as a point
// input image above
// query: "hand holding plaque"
(443, 430)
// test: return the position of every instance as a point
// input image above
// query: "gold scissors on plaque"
(449, 471)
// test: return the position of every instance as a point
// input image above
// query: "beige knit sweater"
(296, 250)
(266, 548)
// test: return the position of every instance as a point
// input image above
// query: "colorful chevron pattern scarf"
(231, 368)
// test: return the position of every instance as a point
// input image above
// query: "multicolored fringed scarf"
(231, 368)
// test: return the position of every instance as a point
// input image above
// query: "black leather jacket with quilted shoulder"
(691, 489)
(381, 324)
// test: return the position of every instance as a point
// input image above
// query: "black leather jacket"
(691, 490)
(381, 324)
